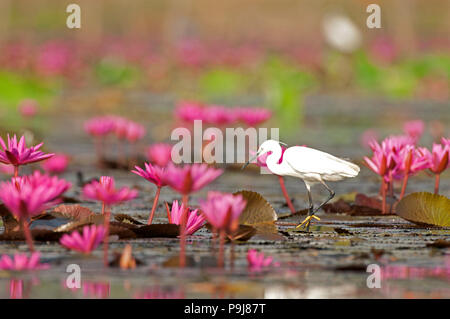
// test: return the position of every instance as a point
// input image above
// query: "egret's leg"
(311, 206)
(307, 220)
(330, 197)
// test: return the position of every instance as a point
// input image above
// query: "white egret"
(312, 166)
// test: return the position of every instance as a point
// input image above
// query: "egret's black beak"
(249, 161)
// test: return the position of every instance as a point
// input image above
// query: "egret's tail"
(351, 169)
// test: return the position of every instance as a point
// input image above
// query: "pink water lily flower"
(105, 191)
(218, 115)
(194, 222)
(30, 195)
(120, 126)
(222, 211)
(134, 132)
(253, 116)
(17, 153)
(86, 242)
(385, 160)
(100, 126)
(445, 141)
(367, 137)
(257, 261)
(189, 111)
(56, 164)
(186, 180)
(155, 175)
(160, 154)
(21, 262)
(411, 162)
(152, 173)
(438, 161)
(190, 178)
(414, 129)
(28, 108)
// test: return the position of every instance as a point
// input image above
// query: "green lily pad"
(425, 209)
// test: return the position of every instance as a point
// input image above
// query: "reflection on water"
(158, 293)
(406, 272)
(16, 289)
(397, 281)
(19, 288)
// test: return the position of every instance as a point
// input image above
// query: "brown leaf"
(78, 224)
(121, 230)
(372, 202)
(337, 207)
(37, 234)
(70, 200)
(9, 222)
(365, 211)
(425, 209)
(258, 210)
(439, 243)
(243, 233)
(157, 230)
(75, 212)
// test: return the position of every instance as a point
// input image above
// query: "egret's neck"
(273, 159)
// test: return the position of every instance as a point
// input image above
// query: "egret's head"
(267, 146)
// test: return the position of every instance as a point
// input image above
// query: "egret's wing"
(307, 160)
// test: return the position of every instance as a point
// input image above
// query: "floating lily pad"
(124, 218)
(425, 209)
(243, 233)
(258, 209)
(75, 212)
(157, 230)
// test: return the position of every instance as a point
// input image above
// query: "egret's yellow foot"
(307, 220)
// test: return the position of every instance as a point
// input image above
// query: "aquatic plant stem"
(232, 257)
(27, 233)
(169, 217)
(183, 232)
(286, 195)
(16, 171)
(213, 241)
(106, 213)
(436, 183)
(221, 248)
(405, 182)
(383, 194)
(155, 204)
(407, 169)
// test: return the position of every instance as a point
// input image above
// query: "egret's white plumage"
(310, 165)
